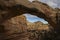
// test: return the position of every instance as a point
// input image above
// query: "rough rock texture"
(29, 7)
(37, 26)
(14, 26)
(12, 8)
(40, 31)
(58, 19)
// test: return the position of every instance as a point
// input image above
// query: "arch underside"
(20, 7)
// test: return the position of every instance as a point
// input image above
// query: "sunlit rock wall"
(15, 25)
(37, 26)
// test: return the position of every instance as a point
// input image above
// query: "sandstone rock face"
(15, 25)
(35, 7)
(37, 26)
(39, 31)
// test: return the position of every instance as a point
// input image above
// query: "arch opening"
(35, 19)
(19, 10)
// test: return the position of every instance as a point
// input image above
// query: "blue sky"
(32, 18)
(52, 3)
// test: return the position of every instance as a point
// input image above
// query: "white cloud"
(30, 0)
(43, 1)
(52, 4)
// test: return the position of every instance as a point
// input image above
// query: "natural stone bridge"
(12, 8)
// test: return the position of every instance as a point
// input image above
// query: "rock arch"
(21, 6)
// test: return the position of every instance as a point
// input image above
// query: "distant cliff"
(37, 26)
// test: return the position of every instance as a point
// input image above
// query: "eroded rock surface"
(38, 26)
(15, 26)
(13, 7)
(30, 7)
